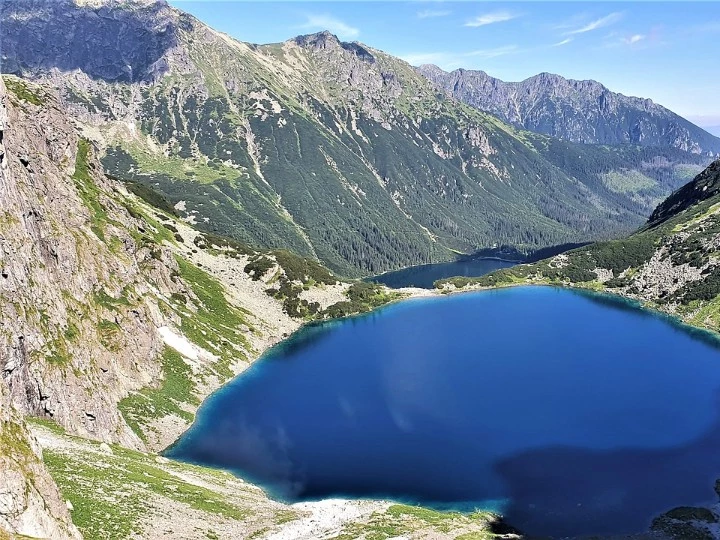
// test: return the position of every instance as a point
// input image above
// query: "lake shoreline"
(425, 275)
(638, 301)
(413, 294)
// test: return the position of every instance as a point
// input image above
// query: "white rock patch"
(325, 517)
(181, 344)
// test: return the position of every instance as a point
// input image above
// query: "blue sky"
(666, 51)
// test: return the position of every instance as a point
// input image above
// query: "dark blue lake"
(425, 275)
(569, 413)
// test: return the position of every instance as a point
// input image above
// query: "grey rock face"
(99, 40)
(577, 111)
(30, 502)
(77, 292)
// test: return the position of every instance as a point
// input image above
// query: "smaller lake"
(425, 275)
(568, 412)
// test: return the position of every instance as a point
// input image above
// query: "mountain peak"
(581, 111)
(318, 40)
(148, 30)
(325, 40)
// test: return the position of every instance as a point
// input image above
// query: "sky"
(665, 51)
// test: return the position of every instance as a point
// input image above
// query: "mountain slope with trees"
(332, 150)
(671, 264)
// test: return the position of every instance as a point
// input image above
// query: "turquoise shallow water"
(570, 413)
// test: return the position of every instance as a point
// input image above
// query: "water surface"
(425, 275)
(569, 413)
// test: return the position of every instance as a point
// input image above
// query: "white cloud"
(447, 60)
(437, 58)
(491, 18)
(563, 42)
(597, 23)
(634, 38)
(492, 53)
(432, 13)
(327, 22)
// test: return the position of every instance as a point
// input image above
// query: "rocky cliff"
(30, 503)
(79, 278)
(577, 111)
(332, 150)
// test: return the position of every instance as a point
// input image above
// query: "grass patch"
(215, 325)
(400, 519)
(23, 91)
(102, 298)
(88, 191)
(177, 388)
(110, 334)
(627, 181)
(183, 169)
(110, 493)
(14, 445)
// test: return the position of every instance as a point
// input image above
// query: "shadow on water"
(311, 334)
(306, 337)
(567, 491)
(550, 492)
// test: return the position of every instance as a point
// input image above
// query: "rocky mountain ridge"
(577, 111)
(332, 150)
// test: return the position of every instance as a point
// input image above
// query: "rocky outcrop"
(30, 503)
(578, 111)
(79, 276)
(704, 186)
(78, 39)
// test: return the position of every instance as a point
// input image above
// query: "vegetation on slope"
(331, 150)
(672, 264)
(111, 488)
(119, 493)
(24, 90)
(174, 396)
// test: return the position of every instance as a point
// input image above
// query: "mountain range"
(333, 150)
(577, 111)
(120, 317)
